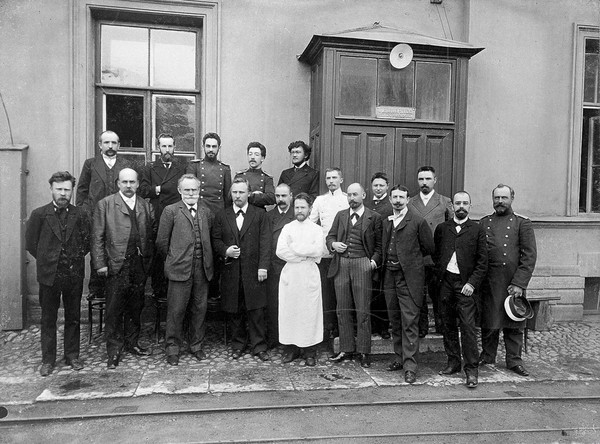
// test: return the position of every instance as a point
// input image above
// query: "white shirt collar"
(110, 161)
(300, 166)
(244, 208)
(400, 215)
(425, 197)
(381, 198)
(336, 192)
(130, 201)
(195, 206)
(460, 222)
(359, 212)
(282, 212)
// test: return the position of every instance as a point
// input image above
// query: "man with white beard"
(300, 307)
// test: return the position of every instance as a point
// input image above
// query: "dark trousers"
(353, 292)
(248, 326)
(191, 297)
(454, 304)
(97, 283)
(379, 316)
(404, 318)
(433, 291)
(513, 341)
(124, 304)
(330, 321)
(70, 287)
(309, 352)
(157, 274)
(273, 308)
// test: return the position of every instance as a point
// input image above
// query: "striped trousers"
(353, 293)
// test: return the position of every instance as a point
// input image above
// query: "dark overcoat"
(43, 240)
(305, 179)
(512, 253)
(111, 227)
(254, 240)
(413, 242)
(155, 174)
(371, 236)
(93, 184)
(278, 221)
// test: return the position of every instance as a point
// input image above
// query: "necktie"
(193, 212)
(354, 218)
(239, 219)
(168, 165)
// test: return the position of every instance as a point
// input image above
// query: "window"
(372, 88)
(584, 194)
(149, 84)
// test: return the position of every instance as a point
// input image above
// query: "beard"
(300, 217)
(501, 208)
(353, 204)
(461, 214)
(167, 157)
(62, 202)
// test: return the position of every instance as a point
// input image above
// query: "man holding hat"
(512, 255)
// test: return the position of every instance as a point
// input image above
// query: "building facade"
(510, 89)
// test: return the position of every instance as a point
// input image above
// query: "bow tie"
(354, 216)
(240, 213)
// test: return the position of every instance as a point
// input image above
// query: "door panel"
(418, 147)
(361, 151)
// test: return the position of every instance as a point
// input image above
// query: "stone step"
(379, 346)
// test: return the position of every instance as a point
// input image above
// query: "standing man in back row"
(262, 191)
(301, 178)
(435, 209)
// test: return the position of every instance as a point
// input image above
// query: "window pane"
(173, 59)
(358, 80)
(589, 182)
(176, 115)
(591, 84)
(395, 86)
(433, 91)
(124, 55)
(137, 160)
(125, 116)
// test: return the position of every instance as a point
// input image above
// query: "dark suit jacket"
(413, 242)
(93, 184)
(383, 207)
(155, 174)
(305, 180)
(471, 250)
(278, 221)
(254, 241)
(175, 240)
(43, 240)
(371, 236)
(110, 232)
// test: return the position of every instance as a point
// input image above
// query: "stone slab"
(247, 378)
(20, 389)
(345, 375)
(177, 380)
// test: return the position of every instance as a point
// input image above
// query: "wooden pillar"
(13, 171)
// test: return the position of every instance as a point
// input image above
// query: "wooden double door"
(362, 150)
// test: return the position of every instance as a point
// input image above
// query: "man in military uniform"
(214, 176)
(301, 178)
(512, 254)
(262, 191)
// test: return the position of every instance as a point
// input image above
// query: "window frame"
(85, 16)
(580, 34)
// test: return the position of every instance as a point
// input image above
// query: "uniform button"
(202, 174)
(505, 245)
(489, 228)
(510, 219)
(506, 235)
(504, 254)
(508, 228)
(201, 197)
(503, 263)
(220, 183)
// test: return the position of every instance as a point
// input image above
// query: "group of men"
(312, 267)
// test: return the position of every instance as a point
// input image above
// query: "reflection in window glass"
(591, 84)
(176, 115)
(395, 86)
(358, 80)
(124, 55)
(433, 91)
(125, 116)
(173, 59)
(589, 182)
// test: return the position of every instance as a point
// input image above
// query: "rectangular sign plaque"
(395, 112)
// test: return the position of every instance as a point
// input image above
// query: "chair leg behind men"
(95, 304)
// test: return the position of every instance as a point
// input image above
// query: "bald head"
(356, 195)
(128, 182)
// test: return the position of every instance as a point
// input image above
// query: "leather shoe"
(471, 381)
(365, 360)
(263, 356)
(112, 362)
(237, 354)
(310, 361)
(385, 335)
(199, 355)
(450, 370)
(484, 362)
(519, 370)
(75, 363)
(139, 351)
(173, 359)
(289, 357)
(341, 356)
(394, 366)
(46, 369)
(410, 377)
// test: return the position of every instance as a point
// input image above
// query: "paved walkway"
(570, 352)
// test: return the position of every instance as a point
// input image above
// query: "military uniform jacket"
(175, 240)
(304, 179)
(111, 227)
(254, 240)
(382, 206)
(259, 181)
(512, 254)
(470, 247)
(43, 239)
(155, 174)
(93, 184)
(215, 183)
